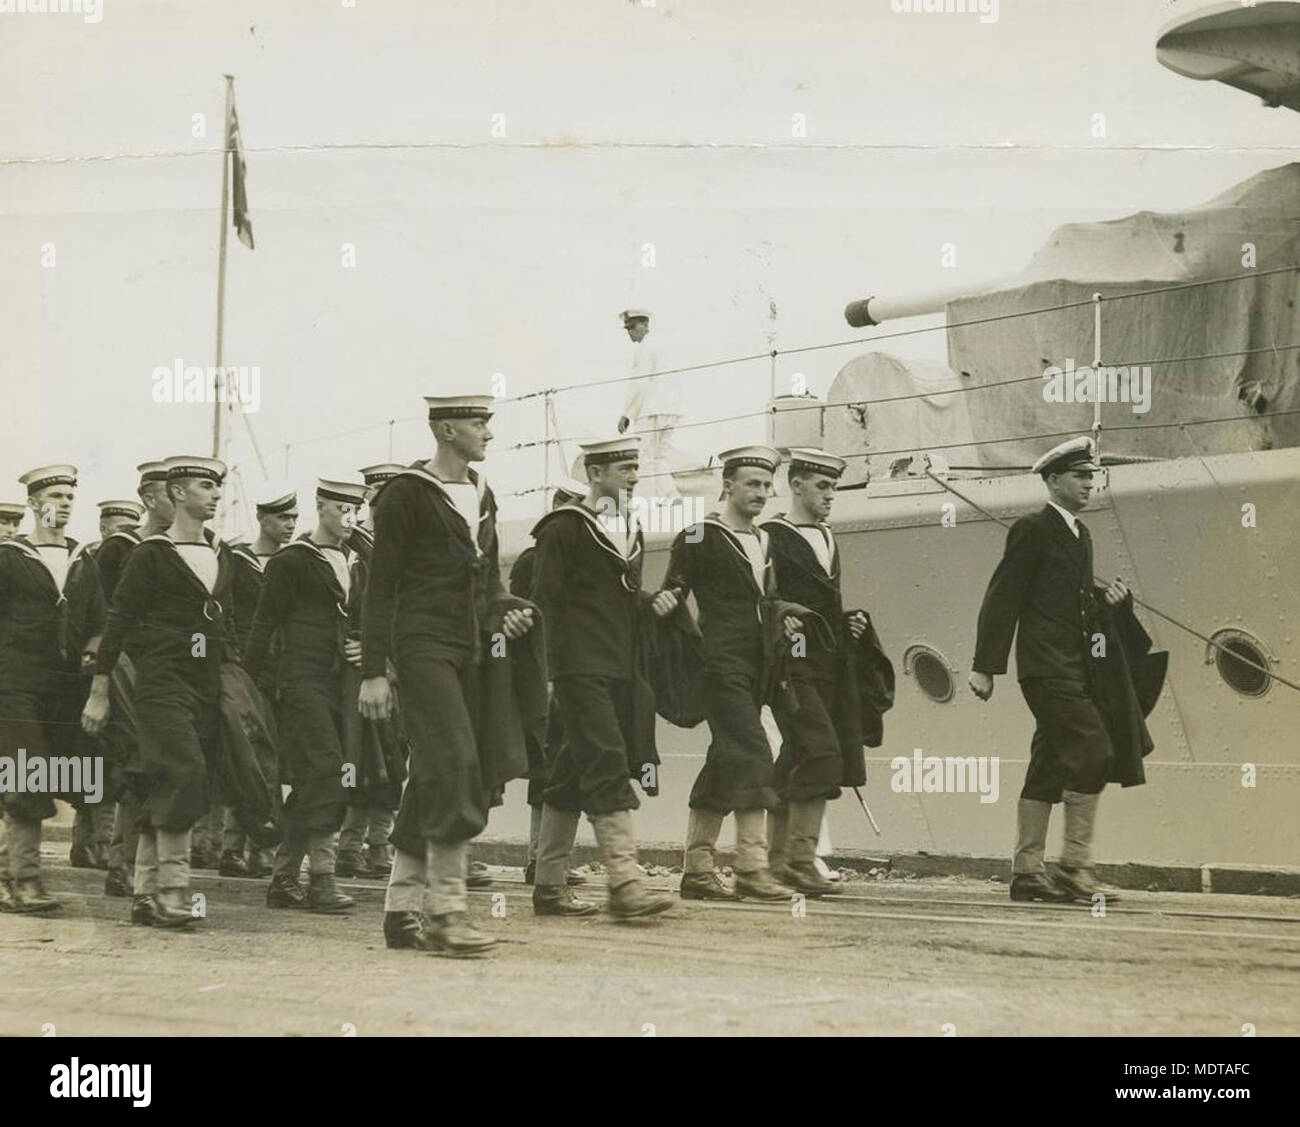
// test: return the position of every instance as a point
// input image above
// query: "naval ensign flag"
(243, 224)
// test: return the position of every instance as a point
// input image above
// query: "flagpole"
(218, 378)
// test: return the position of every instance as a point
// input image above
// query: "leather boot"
(101, 833)
(759, 885)
(1082, 884)
(349, 863)
(142, 911)
(79, 854)
(405, 931)
(454, 934)
(233, 865)
(325, 898)
(530, 872)
(379, 862)
(777, 836)
(30, 896)
(478, 875)
(170, 908)
(1032, 819)
(116, 883)
(558, 900)
(628, 895)
(803, 824)
(6, 895)
(284, 891)
(705, 886)
(1038, 886)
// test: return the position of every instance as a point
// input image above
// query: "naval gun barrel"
(876, 310)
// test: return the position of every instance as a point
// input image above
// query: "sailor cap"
(380, 472)
(348, 492)
(763, 457)
(274, 497)
(44, 476)
(151, 471)
(1074, 454)
(621, 449)
(10, 510)
(806, 459)
(459, 406)
(132, 509)
(192, 465)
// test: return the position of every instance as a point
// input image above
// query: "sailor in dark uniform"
(434, 578)
(1043, 587)
(724, 561)
(823, 734)
(372, 802)
(304, 603)
(173, 605)
(588, 587)
(541, 752)
(51, 618)
(276, 507)
(119, 736)
(11, 518)
(92, 827)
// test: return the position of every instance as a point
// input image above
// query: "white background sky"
(625, 125)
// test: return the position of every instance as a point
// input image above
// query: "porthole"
(933, 674)
(1238, 658)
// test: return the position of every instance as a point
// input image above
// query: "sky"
(482, 257)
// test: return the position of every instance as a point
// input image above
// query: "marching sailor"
(371, 803)
(1043, 586)
(92, 827)
(434, 580)
(51, 618)
(724, 561)
(119, 735)
(304, 603)
(276, 507)
(11, 517)
(822, 739)
(541, 752)
(588, 586)
(173, 602)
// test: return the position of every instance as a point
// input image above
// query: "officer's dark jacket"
(161, 605)
(429, 581)
(1043, 584)
(304, 607)
(708, 561)
(589, 595)
(41, 631)
(110, 559)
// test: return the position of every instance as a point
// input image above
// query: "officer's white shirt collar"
(1072, 522)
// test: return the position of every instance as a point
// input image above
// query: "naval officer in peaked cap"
(1041, 593)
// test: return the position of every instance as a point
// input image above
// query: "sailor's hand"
(352, 651)
(517, 622)
(791, 626)
(857, 624)
(664, 603)
(981, 684)
(94, 717)
(375, 701)
(1117, 592)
